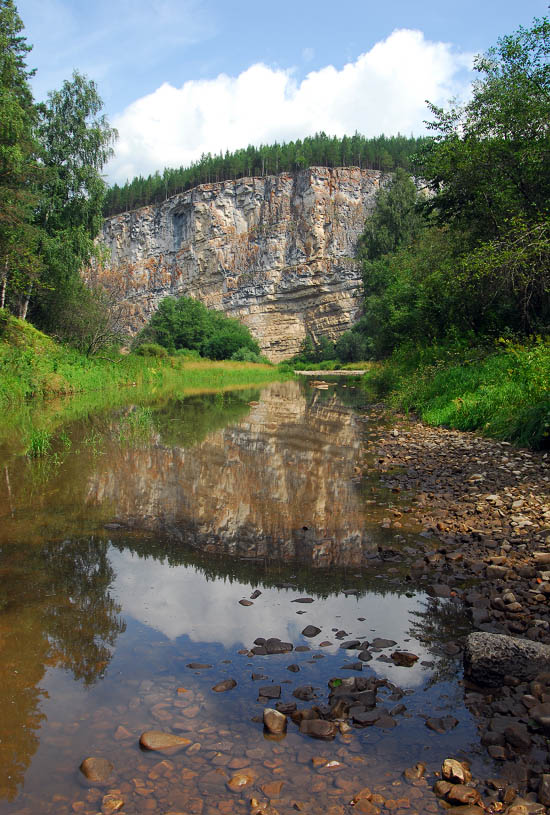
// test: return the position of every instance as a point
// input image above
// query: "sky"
(180, 78)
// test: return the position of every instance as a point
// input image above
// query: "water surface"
(124, 555)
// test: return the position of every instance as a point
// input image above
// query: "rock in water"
(455, 771)
(163, 742)
(311, 631)
(404, 658)
(274, 721)
(318, 728)
(488, 658)
(97, 771)
(242, 779)
(227, 684)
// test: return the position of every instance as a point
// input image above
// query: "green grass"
(503, 393)
(35, 372)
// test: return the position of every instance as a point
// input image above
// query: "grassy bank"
(33, 365)
(502, 392)
(35, 372)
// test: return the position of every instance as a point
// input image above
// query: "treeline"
(381, 153)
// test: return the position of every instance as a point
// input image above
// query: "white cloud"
(383, 91)
(178, 601)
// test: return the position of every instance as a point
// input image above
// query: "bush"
(185, 323)
(151, 349)
(247, 355)
(187, 353)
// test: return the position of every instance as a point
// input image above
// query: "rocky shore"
(484, 510)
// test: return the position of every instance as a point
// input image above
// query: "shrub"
(151, 349)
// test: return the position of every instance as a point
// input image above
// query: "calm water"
(123, 557)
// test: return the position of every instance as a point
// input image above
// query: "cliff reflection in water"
(278, 484)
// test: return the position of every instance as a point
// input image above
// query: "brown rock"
(365, 807)
(122, 733)
(274, 721)
(416, 772)
(455, 771)
(273, 789)
(163, 742)
(111, 803)
(98, 771)
(318, 728)
(461, 794)
(226, 685)
(404, 658)
(241, 779)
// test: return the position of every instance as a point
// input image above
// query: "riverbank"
(37, 375)
(484, 508)
(503, 392)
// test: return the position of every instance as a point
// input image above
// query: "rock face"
(488, 658)
(275, 252)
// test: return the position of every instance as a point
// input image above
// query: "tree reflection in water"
(55, 611)
(438, 624)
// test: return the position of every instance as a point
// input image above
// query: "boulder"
(488, 658)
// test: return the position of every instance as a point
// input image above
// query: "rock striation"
(276, 252)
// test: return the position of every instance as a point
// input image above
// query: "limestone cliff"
(276, 252)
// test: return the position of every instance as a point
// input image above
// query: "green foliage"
(315, 351)
(76, 142)
(151, 349)
(396, 220)
(185, 323)
(247, 355)
(19, 169)
(51, 188)
(380, 153)
(501, 393)
(39, 443)
(490, 159)
(478, 264)
(32, 365)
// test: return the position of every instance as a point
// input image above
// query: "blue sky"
(182, 77)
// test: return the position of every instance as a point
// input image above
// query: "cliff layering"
(277, 252)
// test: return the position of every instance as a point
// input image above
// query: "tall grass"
(503, 393)
(35, 372)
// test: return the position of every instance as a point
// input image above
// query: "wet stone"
(198, 666)
(274, 720)
(225, 685)
(163, 742)
(318, 729)
(311, 631)
(404, 658)
(350, 645)
(241, 780)
(274, 646)
(270, 691)
(303, 600)
(97, 771)
(381, 643)
(304, 693)
(455, 771)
